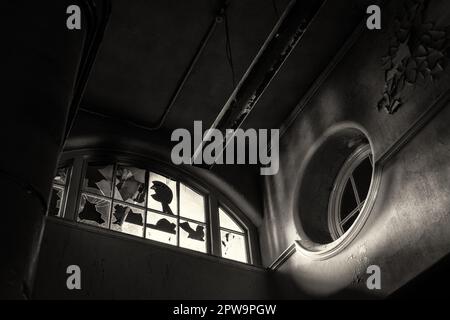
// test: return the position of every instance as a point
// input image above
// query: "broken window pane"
(94, 211)
(192, 204)
(61, 176)
(227, 222)
(233, 246)
(127, 219)
(162, 194)
(56, 200)
(192, 236)
(141, 203)
(130, 185)
(98, 179)
(161, 228)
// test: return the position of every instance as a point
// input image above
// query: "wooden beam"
(276, 49)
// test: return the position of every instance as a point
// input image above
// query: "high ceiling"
(148, 46)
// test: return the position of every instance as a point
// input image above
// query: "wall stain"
(360, 263)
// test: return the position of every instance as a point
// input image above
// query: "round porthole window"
(338, 181)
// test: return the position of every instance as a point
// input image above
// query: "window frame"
(242, 225)
(354, 160)
(80, 159)
(65, 189)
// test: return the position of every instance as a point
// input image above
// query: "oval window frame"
(316, 251)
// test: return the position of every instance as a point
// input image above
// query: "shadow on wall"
(283, 286)
(117, 267)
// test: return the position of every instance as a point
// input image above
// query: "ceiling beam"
(276, 49)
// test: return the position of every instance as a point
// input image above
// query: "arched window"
(148, 203)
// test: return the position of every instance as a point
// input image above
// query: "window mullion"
(146, 186)
(355, 190)
(349, 216)
(178, 212)
(214, 232)
(113, 194)
(72, 189)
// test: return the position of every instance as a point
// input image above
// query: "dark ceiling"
(148, 46)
